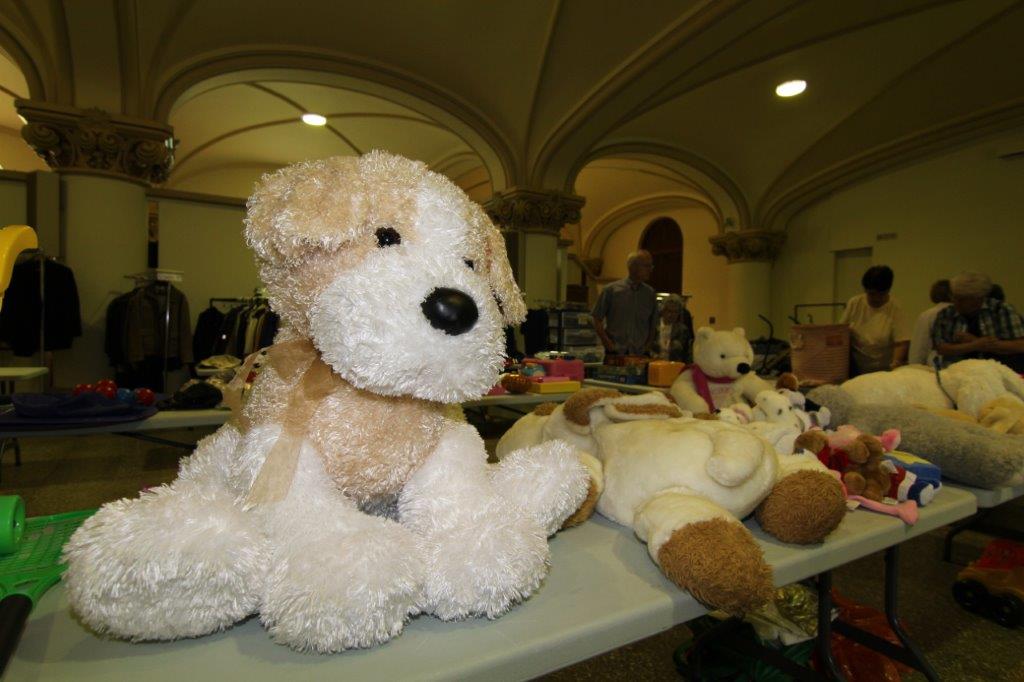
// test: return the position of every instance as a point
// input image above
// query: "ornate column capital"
(744, 246)
(94, 141)
(528, 210)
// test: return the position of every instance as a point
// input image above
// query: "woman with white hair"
(674, 340)
(979, 326)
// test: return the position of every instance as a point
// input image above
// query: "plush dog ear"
(704, 333)
(499, 272)
(306, 206)
(740, 331)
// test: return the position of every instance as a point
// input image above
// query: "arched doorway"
(664, 239)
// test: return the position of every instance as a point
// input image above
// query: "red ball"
(145, 396)
(107, 391)
(83, 388)
(106, 382)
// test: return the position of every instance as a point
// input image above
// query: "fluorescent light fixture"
(314, 119)
(790, 88)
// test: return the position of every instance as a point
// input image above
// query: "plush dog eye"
(388, 236)
(469, 264)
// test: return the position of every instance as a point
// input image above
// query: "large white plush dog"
(970, 383)
(343, 498)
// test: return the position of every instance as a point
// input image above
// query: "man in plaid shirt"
(978, 326)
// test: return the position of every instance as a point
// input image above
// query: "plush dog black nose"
(743, 368)
(450, 310)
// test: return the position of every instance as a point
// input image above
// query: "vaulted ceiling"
(496, 94)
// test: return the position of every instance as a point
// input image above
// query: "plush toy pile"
(966, 452)
(683, 484)
(344, 498)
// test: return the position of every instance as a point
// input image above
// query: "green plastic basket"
(31, 569)
(35, 566)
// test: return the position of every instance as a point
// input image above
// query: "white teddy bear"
(683, 485)
(721, 373)
(343, 497)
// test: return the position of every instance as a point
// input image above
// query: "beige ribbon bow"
(318, 380)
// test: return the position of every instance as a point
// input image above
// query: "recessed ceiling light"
(314, 119)
(790, 88)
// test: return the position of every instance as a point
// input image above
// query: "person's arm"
(652, 328)
(958, 348)
(899, 353)
(1005, 346)
(606, 340)
(599, 313)
(901, 338)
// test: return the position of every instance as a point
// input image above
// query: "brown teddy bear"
(859, 461)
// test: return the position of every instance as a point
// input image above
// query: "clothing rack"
(165, 276)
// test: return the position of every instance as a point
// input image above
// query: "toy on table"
(721, 373)
(663, 372)
(993, 585)
(109, 389)
(29, 565)
(968, 453)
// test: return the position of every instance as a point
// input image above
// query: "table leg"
(959, 527)
(908, 654)
(824, 637)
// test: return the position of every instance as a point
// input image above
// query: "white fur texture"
(370, 328)
(971, 383)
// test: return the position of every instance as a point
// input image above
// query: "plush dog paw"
(719, 563)
(331, 589)
(485, 567)
(167, 565)
(550, 481)
(594, 490)
(803, 507)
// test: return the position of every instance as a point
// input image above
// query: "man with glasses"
(979, 326)
(626, 312)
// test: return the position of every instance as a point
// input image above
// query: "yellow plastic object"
(554, 387)
(13, 240)
(663, 372)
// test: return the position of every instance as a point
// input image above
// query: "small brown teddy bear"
(858, 460)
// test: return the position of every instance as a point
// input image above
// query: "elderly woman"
(879, 335)
(978, 325)
(674, 337)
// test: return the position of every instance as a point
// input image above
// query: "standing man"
(626, 312)
(979, 326)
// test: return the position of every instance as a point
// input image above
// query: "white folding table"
(987, 500)
(603, 592)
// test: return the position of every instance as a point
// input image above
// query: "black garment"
(269, 330)
(117, 320)
(19, 318)
(207, 330)
(535, 331)
(511, 348)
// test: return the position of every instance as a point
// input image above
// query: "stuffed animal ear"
(704, 333)
(740, 331)
(890, 439)
(499, 273)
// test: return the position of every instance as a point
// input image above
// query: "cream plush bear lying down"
(683, 485)
(343, 498)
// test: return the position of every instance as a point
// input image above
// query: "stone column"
(531, 221)
(750, 254)
(105, 163)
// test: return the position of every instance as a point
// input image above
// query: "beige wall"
(206, 242)
(12, 202)
(704, 275)
(963, 210)
(104, 239)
